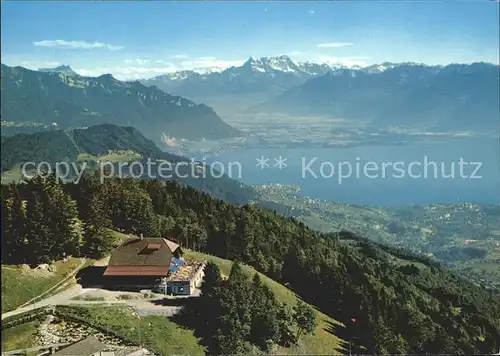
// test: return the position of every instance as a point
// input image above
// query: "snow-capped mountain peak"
(282, 63)
(313, 68)
(181, 75)
(270, 64)
(377, 68)
(277, 71)
(255, 65)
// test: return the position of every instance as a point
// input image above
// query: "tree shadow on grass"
(191, 318)
(350, 343)
(173, 302)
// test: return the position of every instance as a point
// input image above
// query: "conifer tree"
(13, 227)
(305, 318)
(54, 229)
(264, 310)
(235, 317)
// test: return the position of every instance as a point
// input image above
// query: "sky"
(133, 40)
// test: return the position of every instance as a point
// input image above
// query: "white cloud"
(334, 44)
(76, 45)
(311, 12)
(137, 61)
(295, 53)
(180, 56)
(39, 64)
(127, 73)
(139, 69)
(209, 64)
(359, 57)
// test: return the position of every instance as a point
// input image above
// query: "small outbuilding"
(183, 279)
(89, 346)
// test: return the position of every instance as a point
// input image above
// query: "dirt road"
(142, 306)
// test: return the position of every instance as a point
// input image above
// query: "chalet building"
(153, 263)
(140, 261)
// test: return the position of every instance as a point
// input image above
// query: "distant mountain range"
(236, 88)
(268, 74)
(456, 96)
(452, 97)
(114, 144)
(60, 98)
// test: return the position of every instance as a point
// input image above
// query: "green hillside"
(73, 145)
(156, 333)
(20, 285)
(20, 336)
(400, 302)
(320, 343)
(104, 146)
(122, 321)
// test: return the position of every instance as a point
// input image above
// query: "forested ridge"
(390, 301)
(60, 146)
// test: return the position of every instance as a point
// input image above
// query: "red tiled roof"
(136, 271)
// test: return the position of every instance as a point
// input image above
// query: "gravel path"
(143, 307)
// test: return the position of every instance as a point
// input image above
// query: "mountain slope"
(464, 236)
(61, 145)
(63, 69)
(75, 101)
(390, 301)
(322, 341)
(115, 144)
(457, 96)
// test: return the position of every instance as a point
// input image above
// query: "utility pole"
(33, 293)
(139, 329)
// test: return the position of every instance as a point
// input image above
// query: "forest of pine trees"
(398, 309)
(244, 317)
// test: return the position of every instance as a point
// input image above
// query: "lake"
(418, 173)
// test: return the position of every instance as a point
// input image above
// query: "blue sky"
(142, 39)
